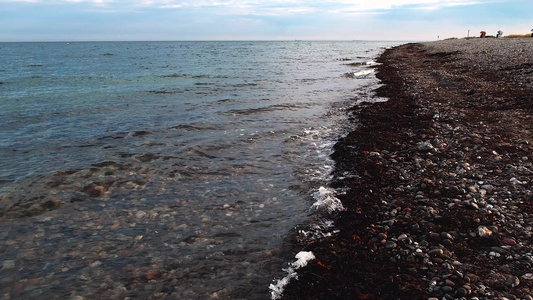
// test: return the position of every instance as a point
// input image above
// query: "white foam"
(317, 231)
(363, 73)
(302, 258)
(326, 200)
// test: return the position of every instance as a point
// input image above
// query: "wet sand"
(439, 201)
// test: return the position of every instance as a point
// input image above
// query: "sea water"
(174, 170)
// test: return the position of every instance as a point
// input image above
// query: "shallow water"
(165, 169)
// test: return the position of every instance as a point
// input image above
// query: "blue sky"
(102, 20)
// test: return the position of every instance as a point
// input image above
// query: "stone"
(512, 281)
(8, 264)
(461, 292)
(509, 241)
(472, 277)
(448, 282)
(425, 147)
(140, 214)
(445, 235)
(447, 243)
(434, 236)
(483, 231)
(96, 264)
(436, 252)
(494, 254)
(390, 245)
(471, 205)
(472, 189)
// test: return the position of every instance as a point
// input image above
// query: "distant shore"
(440, 201)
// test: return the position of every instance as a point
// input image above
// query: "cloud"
(267, 7)
(253, 19)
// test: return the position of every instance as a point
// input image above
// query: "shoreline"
(439, 201)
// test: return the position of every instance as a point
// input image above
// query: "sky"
(156, 20)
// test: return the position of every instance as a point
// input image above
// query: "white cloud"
(259, 8)
(266, 5)
(20, 1)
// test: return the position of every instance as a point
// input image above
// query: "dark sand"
(441, 204)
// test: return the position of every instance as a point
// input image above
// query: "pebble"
(445, 235)
(512, 281)
(390, 245)
(8, 264)
(425, 147)
(140, 214)
(96, 264)
(449, 282)
(494, 254)
(509, 241)
(402, 237)
(456, 263)
(461, 292)
(483, 231)
(436, 252)
(434, 236)
(471, 205)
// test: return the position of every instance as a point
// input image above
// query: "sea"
(168, 170)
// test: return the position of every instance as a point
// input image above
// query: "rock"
(436, 252)
(471, 205)
(497, 249)
(434, 236)
(402, 237)
(516, 181)
(425, 147)
(447, 243)
(487, 187)
(483, 231)
(494, 254)
(512, 281)
(457, 263)
(96, 264)
(461, 292)
(382, 236)
(94, 190)
(448, 282)
(509, 241)
(445, 235)
(472, 189)
(472, 277)
(140, 214)
(390, 245)
(8, 264)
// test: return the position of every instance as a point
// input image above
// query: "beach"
(438, 180)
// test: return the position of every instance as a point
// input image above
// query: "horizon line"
(209, 40)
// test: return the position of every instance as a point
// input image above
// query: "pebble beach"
(437, 180)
